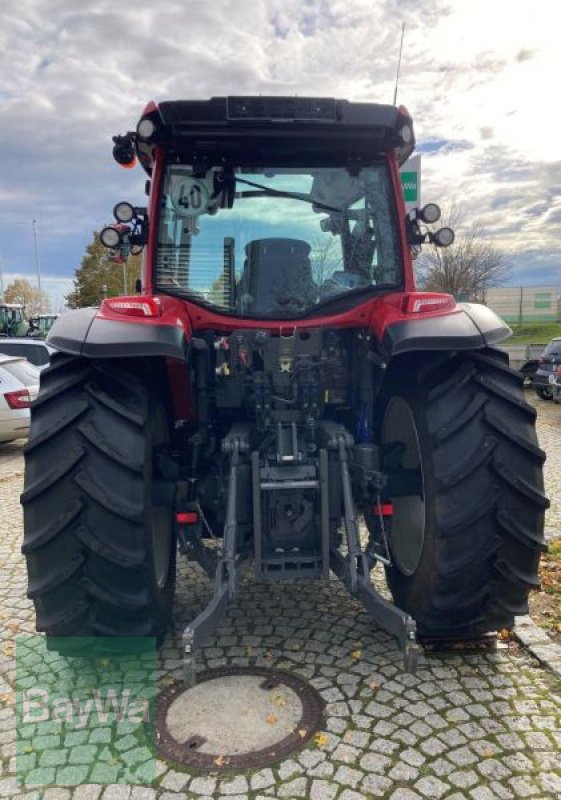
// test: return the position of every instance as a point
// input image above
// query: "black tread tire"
(544, 392)
(484, 497)
(91, 477)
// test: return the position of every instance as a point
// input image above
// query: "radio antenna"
(399, 63)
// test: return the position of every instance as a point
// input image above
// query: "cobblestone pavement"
(482, 726)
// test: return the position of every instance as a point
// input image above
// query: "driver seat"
(276, 270)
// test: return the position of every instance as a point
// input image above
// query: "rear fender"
(106, 333)
(426, 321)
(102, 333)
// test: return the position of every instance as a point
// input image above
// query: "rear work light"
(18, 399)
(132, 306)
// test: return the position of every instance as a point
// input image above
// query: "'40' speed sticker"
(189, 196)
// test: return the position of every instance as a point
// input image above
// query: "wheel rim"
(408, 522)
(161, 543)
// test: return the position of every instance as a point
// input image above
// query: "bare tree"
(325, 258)
(470, 266)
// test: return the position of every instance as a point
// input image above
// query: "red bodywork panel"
(375, 314)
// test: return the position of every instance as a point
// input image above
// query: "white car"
(19, 386)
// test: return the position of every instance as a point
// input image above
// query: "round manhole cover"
(235, 718)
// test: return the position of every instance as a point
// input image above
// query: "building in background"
(525, 303)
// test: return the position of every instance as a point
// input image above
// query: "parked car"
(549, 360)
(19, 386)
(36, 351)
(555, 383)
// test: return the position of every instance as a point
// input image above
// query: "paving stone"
(310, 758)
(336, 724)
(75, 775)
(49, 758)
(83, 754)
(348, 777)
(385, 746)
(405, 794)
(384, 728)
(433, 746)
(482, 793)
(202, 785)
(432, 787)
(346, 753)
(378, 711)
(421, 729)
(463, 778)
(405, 737)
(289, 768)
(510, 741)
(441, 767)
(463, 756)
(376, 785)
(413, 757)
(175, 781)
(356, 738)
(500, 791)
(323, 770)
(56, 794)
(262, 779)
(295, 788)
(91, 791)
(403, 772)
(116, 792)
(331, 695)
(237, 785)
(518, 762)
(143, 793)
(523, 787)
(372, 762)
(323, 790)
(551, 783)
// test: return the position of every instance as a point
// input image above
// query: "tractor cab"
(12, 320)
(40, 325)
(272, 208)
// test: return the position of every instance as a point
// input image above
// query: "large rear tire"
(98, 512)
(466, 550)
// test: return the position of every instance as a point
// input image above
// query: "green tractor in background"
(40, 325)
(12, 320)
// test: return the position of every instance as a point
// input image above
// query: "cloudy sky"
(480, 79)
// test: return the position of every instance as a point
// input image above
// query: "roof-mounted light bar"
(281, 108)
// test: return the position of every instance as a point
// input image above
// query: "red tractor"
(276, 382)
